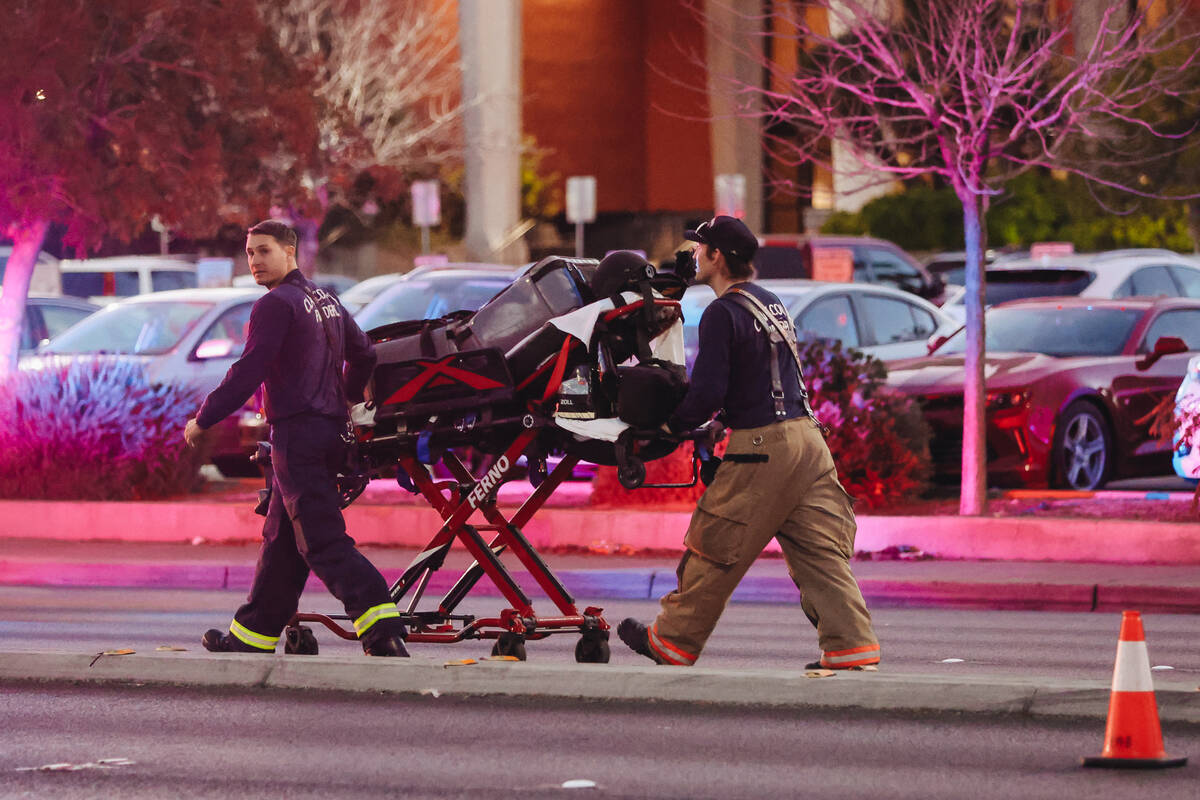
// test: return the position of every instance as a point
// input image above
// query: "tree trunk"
(1193, 223)
(27, 243)
(973, 499)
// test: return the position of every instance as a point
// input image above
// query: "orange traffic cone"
(1133, 738)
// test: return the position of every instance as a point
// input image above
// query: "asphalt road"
(270, 744)
(153, 741)
(915, 641)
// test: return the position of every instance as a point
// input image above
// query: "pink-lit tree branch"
(112, 114)
(972, 93)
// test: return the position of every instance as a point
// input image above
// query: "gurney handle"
(632, 474)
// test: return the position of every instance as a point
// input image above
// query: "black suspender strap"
(779, 334)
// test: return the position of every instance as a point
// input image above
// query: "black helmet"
(619, 270)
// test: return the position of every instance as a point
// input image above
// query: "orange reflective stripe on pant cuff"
(854, 657)
(668, 652)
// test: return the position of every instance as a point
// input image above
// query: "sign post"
(581, 206)
(426, 209)
(729, 191)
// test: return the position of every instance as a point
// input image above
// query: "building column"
(737, 145)
(489, 34)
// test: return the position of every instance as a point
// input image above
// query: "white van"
(103, 280)
(45, 272)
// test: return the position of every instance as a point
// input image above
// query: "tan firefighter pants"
(793, 496)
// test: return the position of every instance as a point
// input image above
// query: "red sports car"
(1070, 385)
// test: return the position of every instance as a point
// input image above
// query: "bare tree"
(388, 78)
(972, 93)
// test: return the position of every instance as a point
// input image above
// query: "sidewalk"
(1057, 586)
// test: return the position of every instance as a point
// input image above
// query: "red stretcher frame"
(457, 501)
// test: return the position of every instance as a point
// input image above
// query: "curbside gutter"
(731, 688)
(649, 583)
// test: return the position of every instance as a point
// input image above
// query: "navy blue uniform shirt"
(288, 350)
(732, 373)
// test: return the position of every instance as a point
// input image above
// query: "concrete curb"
(648, 584)
(734, 688)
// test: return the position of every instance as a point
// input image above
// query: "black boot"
(856, 668)
(215, 641)
(392, 646)
(636, 637)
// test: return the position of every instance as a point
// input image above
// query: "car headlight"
(1006, 400)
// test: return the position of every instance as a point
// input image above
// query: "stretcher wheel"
(299, 640)
(510, 644)
(632, 474)
(592, 649)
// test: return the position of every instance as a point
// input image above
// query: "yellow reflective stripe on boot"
(373, 615)
(247, 636)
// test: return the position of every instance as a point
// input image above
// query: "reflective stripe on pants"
(247, 636)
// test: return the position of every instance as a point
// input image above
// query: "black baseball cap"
(728, 234)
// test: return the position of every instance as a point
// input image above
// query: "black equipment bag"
(421, 368)
(462, 360)
(648, 392)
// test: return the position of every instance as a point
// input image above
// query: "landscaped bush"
(94, 430)
(1035, 207)
(879, 439)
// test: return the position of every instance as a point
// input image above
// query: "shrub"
(1035, 207)
(879, 439)
(94, 430)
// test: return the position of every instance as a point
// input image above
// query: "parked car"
(47, 317)
(330, 282)
(951, 265)
(1071, 383)
(430, 293)
(1186, 456)
(367, 290)
(105, 280)
(866, 260)
(884, 322)
(1111, 274)
(186, 337)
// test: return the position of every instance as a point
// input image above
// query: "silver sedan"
(883, 322)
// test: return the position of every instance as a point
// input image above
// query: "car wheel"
(1082, 448)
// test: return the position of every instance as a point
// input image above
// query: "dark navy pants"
(305, 530)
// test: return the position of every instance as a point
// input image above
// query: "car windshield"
(953, 272)
(365, 291)
(1002, 285)
(137, 328)
(1060, 332)
(429, 298)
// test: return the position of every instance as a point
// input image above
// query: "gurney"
(577, 359)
